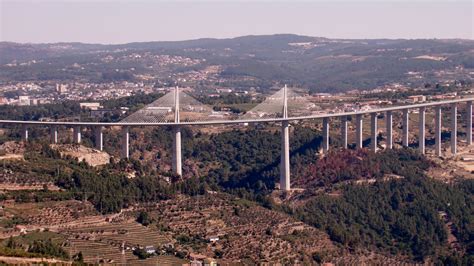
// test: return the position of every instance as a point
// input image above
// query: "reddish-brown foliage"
(340, 166)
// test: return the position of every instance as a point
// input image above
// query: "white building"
(150, 249)
(23, 100)
(90, 105)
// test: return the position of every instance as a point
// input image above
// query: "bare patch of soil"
(91, 156)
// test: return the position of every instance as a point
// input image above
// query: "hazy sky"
(109, 21)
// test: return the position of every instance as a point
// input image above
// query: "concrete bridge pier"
(421, 135)
(285, 157)
(469, 122)
(177, 168)
(373, 131)
(24, 132)
(358, 130)
(125, 152)
(438, 130)
(389, 122)
(454, 128)
(325, 135)
(99, 138)
(405, 126)
(76, 134)
(344, 131)
(54, 134)
(176, 163)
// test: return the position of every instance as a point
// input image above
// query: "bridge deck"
(239, 121)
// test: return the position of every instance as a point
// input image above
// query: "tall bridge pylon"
(284, 103)
(285, 145)
(175, 106)
(177, 168)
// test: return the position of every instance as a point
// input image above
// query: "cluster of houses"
(201, 260)
(194, 258)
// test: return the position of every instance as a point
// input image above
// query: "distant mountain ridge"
(245, 38)
(320, 64)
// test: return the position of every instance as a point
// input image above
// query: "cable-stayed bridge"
(174, 106)
(177, 109)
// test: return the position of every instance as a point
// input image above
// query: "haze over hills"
(318, 64)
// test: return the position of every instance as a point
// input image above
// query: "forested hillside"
(404, 213)
(385, 202)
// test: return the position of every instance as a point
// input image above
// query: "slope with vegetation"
(401, 216)
(383, 203)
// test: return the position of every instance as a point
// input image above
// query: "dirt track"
(19, 260)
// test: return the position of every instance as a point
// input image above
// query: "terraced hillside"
(113, 243)
(247, 232)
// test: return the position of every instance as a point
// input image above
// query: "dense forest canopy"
(401, 214)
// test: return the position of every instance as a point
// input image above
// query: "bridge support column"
(177, 169)
(405, 126)
(421, 135)
(285, 157)
(373, 131)
(54, 134)
(24, 132)
(358, 131)
(454, 128)
(325, 135)
(99, 138)
(77, 134)
(344, 131)
(125, 154)
(389, 122)
(438, 130)
(469, 122)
